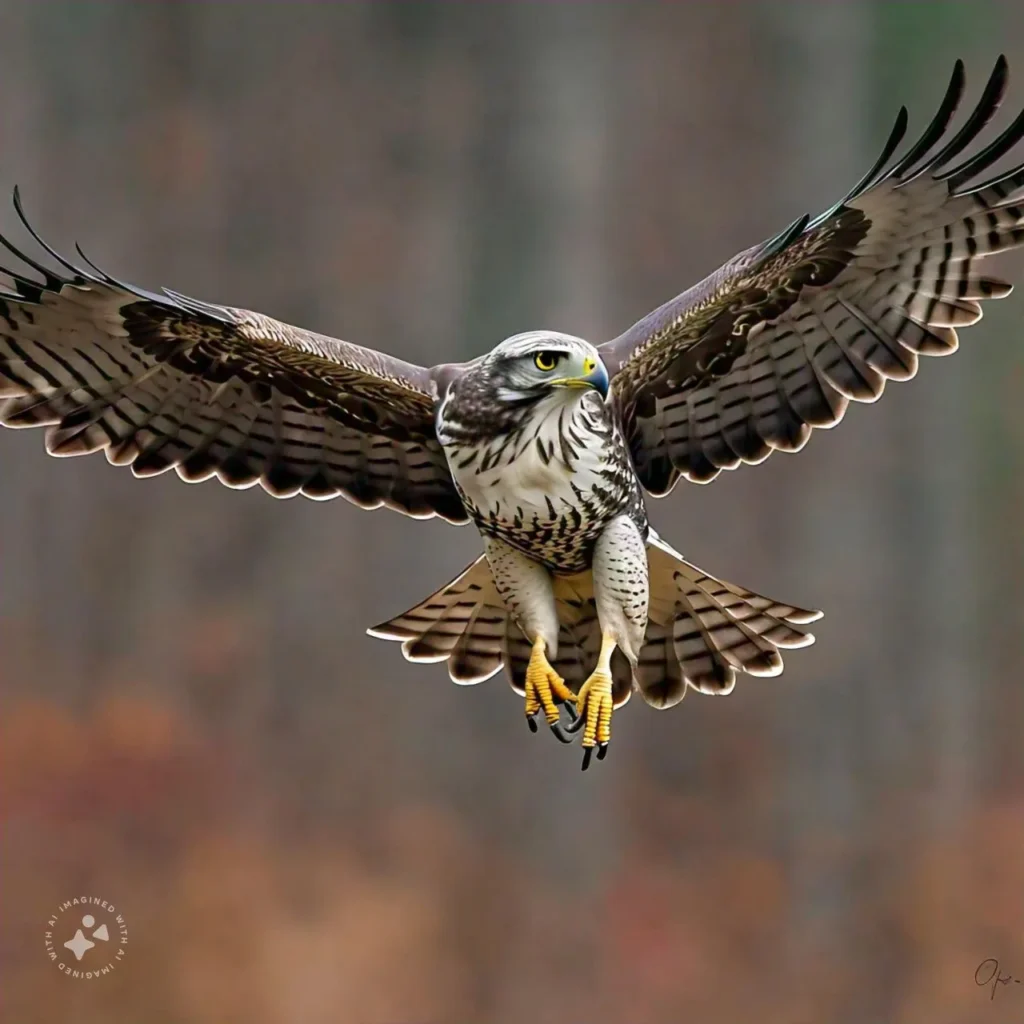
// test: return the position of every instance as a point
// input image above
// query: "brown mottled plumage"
(166, 382)
(780, 338)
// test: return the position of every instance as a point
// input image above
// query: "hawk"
(548, 444)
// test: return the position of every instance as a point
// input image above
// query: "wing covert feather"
(163, 381)
(782, 337)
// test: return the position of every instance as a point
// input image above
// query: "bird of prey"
(548, 444)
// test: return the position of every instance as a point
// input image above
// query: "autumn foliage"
(413, 917)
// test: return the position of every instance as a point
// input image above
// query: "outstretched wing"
(780, 339)
(165, 381)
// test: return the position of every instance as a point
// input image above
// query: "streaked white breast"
(520, 477)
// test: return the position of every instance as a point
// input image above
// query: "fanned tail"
(465, 624)
(704, 631)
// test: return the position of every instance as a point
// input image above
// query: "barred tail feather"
(463, 624)
(704, 631)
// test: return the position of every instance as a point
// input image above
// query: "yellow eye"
(546, 360)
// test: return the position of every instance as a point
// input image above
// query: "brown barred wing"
(781, 338)
(162, 382)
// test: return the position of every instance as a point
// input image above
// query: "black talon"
(556, 730)
(531, 722)
(602, 751)
(587, 751)
(576, 724)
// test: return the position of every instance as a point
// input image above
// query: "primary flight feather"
(547, 443)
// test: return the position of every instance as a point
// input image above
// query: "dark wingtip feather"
(108, 279)
(899, 130)
(997, 148)
(938, 125)
(877, 170)
(77, 274)
(51, 280)
(991, 97)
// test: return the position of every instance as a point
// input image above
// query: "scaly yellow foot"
(594, 706)
(543, 686)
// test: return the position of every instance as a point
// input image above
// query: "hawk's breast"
(550, 486)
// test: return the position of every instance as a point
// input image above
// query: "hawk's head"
(526, 367)
(527, 372)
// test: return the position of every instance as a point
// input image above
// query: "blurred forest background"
(299, 826)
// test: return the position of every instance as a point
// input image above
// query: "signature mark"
(987, 975)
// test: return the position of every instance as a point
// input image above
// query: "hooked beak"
(595, 376)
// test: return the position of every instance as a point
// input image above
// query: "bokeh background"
(299, 826)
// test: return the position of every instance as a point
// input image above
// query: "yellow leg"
(543, 685)
(594, 705)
